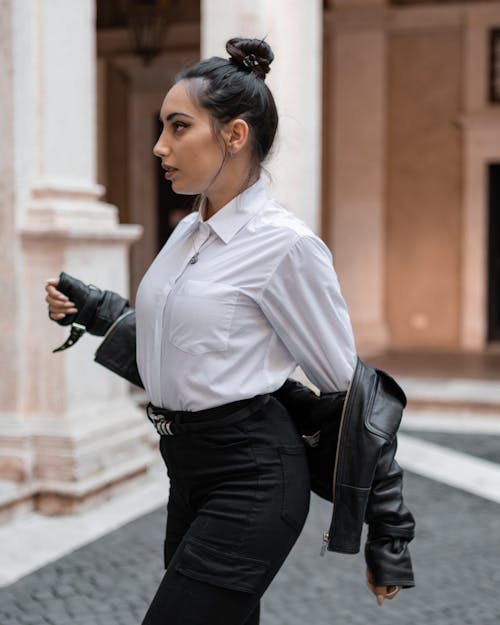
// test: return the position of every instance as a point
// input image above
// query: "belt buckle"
(164, 427)
(161, 424)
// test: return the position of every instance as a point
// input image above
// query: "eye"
(178, 126)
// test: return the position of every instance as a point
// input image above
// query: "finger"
(57, 307)
(56, 303)
(53, 281)
(380, 593)
(53, 292)
(392, 591)
(57, 316)
(53, 297)
(370, 581)
(53, 311)
(58, 311)
(60, 307)
(57, 294)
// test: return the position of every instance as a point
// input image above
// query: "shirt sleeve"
(303, 303)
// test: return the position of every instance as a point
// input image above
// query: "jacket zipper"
(114, 324)
(326, 535)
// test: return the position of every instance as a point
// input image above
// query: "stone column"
(294, 30)
(15, 461)
(480, 124)
(357, 155)
(83, 433)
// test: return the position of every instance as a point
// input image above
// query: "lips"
(169, 170)
(167, 167)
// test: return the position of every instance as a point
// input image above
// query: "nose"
(161, 148)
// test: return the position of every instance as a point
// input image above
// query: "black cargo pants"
(239, 497)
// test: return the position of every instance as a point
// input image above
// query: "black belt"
(172, 422)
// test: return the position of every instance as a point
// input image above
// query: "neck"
(225, 190)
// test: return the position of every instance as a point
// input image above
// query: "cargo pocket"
(208, 564)
(295, 486)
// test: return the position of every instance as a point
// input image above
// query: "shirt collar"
(232, 217)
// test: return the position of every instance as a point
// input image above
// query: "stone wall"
(424, 183)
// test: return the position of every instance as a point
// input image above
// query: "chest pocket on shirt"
(200, 315)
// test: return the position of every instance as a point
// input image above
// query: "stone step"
(15, 499)
(446, 420)
(452, 395)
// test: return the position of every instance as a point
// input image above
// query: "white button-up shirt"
(261, 298)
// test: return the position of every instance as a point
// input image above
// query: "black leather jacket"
(355, 468)
(366, 479)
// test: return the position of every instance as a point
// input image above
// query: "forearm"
(391, 525)
(100, 308)
(117, 352)
(102, 313)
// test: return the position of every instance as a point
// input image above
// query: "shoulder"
(274, 220)
(287, 231)
(274, 216)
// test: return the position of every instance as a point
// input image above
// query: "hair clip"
(250, 61)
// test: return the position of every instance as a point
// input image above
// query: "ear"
(236, 135)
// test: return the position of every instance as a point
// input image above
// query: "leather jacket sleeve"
(110, 316)
(117, 352)
(106, 306)
(391, 525)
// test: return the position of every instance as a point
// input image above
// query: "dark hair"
(235, 87)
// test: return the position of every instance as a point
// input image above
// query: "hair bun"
(251, 55)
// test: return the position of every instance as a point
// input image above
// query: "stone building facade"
(389, 146)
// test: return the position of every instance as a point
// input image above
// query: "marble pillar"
(69, 431)
(293, 29)
(480, 124)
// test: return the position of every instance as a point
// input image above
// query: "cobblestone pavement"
(455, 554)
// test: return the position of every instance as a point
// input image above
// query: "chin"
(183, 190)
(180, 189)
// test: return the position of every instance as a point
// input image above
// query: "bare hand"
(59, 304)
(381, 592)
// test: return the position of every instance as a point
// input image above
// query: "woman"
(240, 294)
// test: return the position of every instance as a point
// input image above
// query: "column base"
(81, 460)
(95, 451)
(76, 437)
(86, 494)
(15, 499)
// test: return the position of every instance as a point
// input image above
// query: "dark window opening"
(494, 253)
(494, 82)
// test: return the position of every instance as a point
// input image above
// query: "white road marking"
(451, 389)
(469, 473)
(465, 422)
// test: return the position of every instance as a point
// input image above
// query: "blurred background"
(388, 146)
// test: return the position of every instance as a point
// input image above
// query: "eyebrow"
(170, 116)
